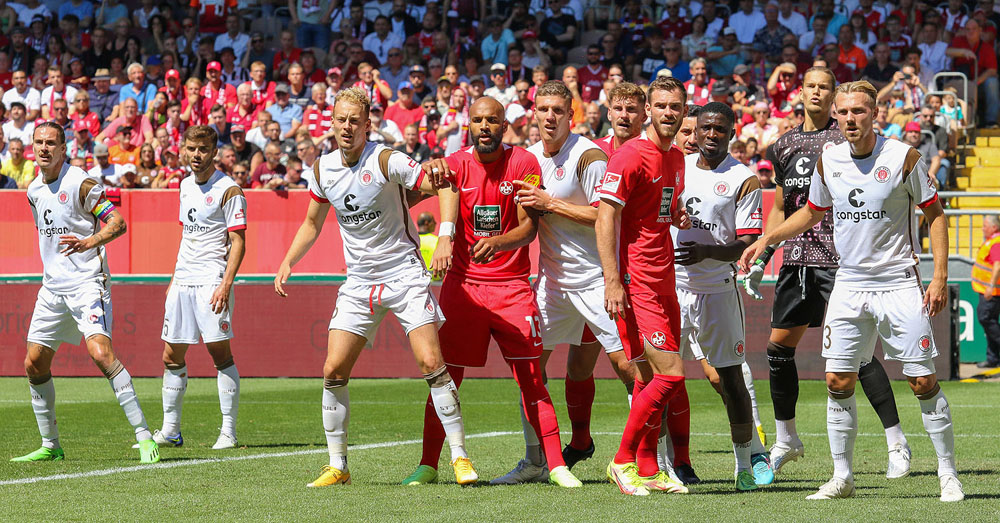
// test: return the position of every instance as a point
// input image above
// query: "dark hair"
(201, 133)
(667, 84)
(693, 111)
(52, 125)
(720, 109)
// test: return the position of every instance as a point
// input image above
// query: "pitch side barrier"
(286, 337)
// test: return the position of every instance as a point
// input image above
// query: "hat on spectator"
(173, 73)
(129, 168)
(720, 89)
(765, 165)
(237, 129)
(433, 113)
(227, 49)
(799, 107)
(529, 34)
(173, 149)
(80, 125)
(477, 78)
(214, 66)
(38, 18)
(664, 73)
(514, 113)
(434, 62)
(405, 85)
(123, 128)
(653, 31)
(912, 126)
(728, 31)
(101, 74)
(256, 35)
(741, 69)
(499, 66)
(18, 104)
(333, 71)
(100, 149)
(282, 88)
(437, 152)
(429, 98)
(18, 30)
(418, 69)
(444, 79)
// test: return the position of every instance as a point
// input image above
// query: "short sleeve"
(749, 215)
(315, 187)
(594, 164)
(404, 170)
(235, 209)
(920, 185)
(93, 196)
(820, 198)
(455, 166)
(529, 171)
(618, 181)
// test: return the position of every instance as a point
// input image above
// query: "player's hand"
(752, 282)
(690, 253)
(530, 196)
(936, 297)
(220, 298)
(437, 171)
(74, 244)
(483, 251)
(441, 259)
(681, 219)
(751, 253)
(281, 279)
(614, 299)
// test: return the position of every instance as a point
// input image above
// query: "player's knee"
(777, 353)
(35, 369)
(333, 372)
(840, 386)
(924, 387)
(578, 371)
(103, 357)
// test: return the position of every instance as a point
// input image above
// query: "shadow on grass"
(969, 472)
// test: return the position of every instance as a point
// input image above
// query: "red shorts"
(652, 317)
(476, 312)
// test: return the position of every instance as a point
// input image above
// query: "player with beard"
(627, 113)
(486, 293)
(806, 278)
(684, 140)
(640, 291)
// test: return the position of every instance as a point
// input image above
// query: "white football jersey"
(61, 208)
(723, 204)
(369, 200)
(113, 174)
(567, 249)
(874, 226)
(208, 212)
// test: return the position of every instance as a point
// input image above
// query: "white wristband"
(447, 229)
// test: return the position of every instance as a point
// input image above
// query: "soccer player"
(75, 298)
(569, 288)
(627, 113)
(640, 292)
(486, 293)
(365, 184)
(872, 184)
(806, 279)
(723, 199)
(200, 297)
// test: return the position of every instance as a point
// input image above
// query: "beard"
(495, 143)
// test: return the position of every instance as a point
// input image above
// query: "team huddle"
(640, 246)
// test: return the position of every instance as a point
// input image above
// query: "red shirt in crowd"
(262, 94)
(91, 119)
(236, 117)
(212, 14)
(591, 82)
(318, 120)
(403, 116)
(264, 174)
(224, 95)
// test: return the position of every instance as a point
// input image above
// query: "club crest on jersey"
(882, 174)
(658, 339)
(924, 343)
(63, 197)
(430, 306)
(738, 349)
(560, 173)
(224, 326)
(209, 199)
(506, 188)
(366, 177)
(93, 318)
(721, 188)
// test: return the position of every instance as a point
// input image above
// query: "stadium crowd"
(125, 79)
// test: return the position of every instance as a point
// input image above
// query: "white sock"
(665, 446)
(532, 447)
(842, 429)
(742, 452)
(748, 379)
(121, 384)
(449, 411)
(937, 422)
(893, 435)
(336, 415)
(174, 386)
(630, 400)
(228, 380)
(787, 433)
(43, 402)
(756, 445)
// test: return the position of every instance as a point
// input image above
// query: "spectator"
(955, 17)
(497, 40)
(231, 73)
(412, 146)
(129, 179)
(241, 175)
(105, 171)
(170, 173)
(57, 90)
(765, 174)
(880, 71)
(193, 111)
(738, 150)
(146, 170)
(515, 64)
(143, 129)
(293, 175)
(533, 55)
(392, 71)
(226, 159)
(270, 174)
(699, 87)
(443, 95)
(884, 127)
(259, 52)
(60, 115)
(724, 57)
(651, 58)
(897, 41)
(29, 97)
(256, 135)
(673, 26)
(571, 79)
(813, 41)
(850, 54)
(791, 19)
(678, 68)
(215, 91)
(747, 21)
(965, 50)
(298, 92)
(405, 111)
(245, 151)
(333, 84)
(122, 149)
(16, 167)
(138, 89)
(172, 87)
(382, 40)
(22, 56)
(523, 88)
(598, 125)
(5, 149)
(318, 117)
(18, 127)
(286, 55)
(307, 154)
(263, 90)
(245, 112)
(310, 73)
(940, 141)
(82, 144)
(907, 81)
(933, 52)
(103, 100)
(82, 10)
(288, 116)
(370, 80)
(762, 130)
(382, 130)
(233, 38)
(503, 93)
(454, 130)
(310, 30)
(418, 79)
(831, 55)
(593, 74)
(771, 36)
(558, 30)
(928, 151)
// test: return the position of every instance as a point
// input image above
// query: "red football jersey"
(607, 144)
(647, 182)
(488, 209)
(225, 96)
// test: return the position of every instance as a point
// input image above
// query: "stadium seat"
(591, 37)
(577, 56)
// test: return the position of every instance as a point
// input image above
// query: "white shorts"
(566, 312)
(362, 305)
(188, 315)
(712, 327)
(65, 318)
(856, 319)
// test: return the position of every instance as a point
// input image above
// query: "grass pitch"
(283, 448)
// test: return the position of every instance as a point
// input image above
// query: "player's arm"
(303, 241)
(748, 229)
(92, 196)
(992, 284)
(608, 214)
(920, 186)
(535, 198)
(777, 215)
(521, 235)
(448, 200)
(234, 206)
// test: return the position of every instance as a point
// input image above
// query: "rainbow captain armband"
(103, 210)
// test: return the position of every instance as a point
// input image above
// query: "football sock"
(664, 448)
(579, 402)
(936, 415)
(875, 383)
(742, 451)
(121, 385)
(748, 380)
(645, 456)
(784, 377)
(175, 380)
(444, 396)
(434, 435)
(43, 402)
(678, 417)
(629, 387)
(532, 447)
(336, 415)
(842, 428)
(538, 408)
(647, 405)
(894, 435)
(229, 395)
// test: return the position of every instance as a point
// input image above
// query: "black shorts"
(800, 296)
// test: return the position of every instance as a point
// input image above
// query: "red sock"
(538, 409)
(433, 431)
(579, 400)
(646, 405)
(645, 456)
(679, 423)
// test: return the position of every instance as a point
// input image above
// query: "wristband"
(447, 229)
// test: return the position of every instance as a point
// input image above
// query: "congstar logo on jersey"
(194, 227)
(361, 217)
(797, 182)
(854, 198)
(486, 220)
(49, 232)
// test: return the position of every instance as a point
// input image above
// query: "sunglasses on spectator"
(672, 49)
(395, 54)
(522, 90)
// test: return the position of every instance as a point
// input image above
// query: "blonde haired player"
(871, 185)
(213, 213)
(75, 298)
(365, 183)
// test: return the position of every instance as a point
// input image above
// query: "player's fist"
(441, 259)
(751, 253)
(483, 251)
(936, 296)
(614, 299)
(681, 219)
(690, 253)
(437, 171)
(530, 196)
(281, 279)
(220, 298)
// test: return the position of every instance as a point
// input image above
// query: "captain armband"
(102, 211)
